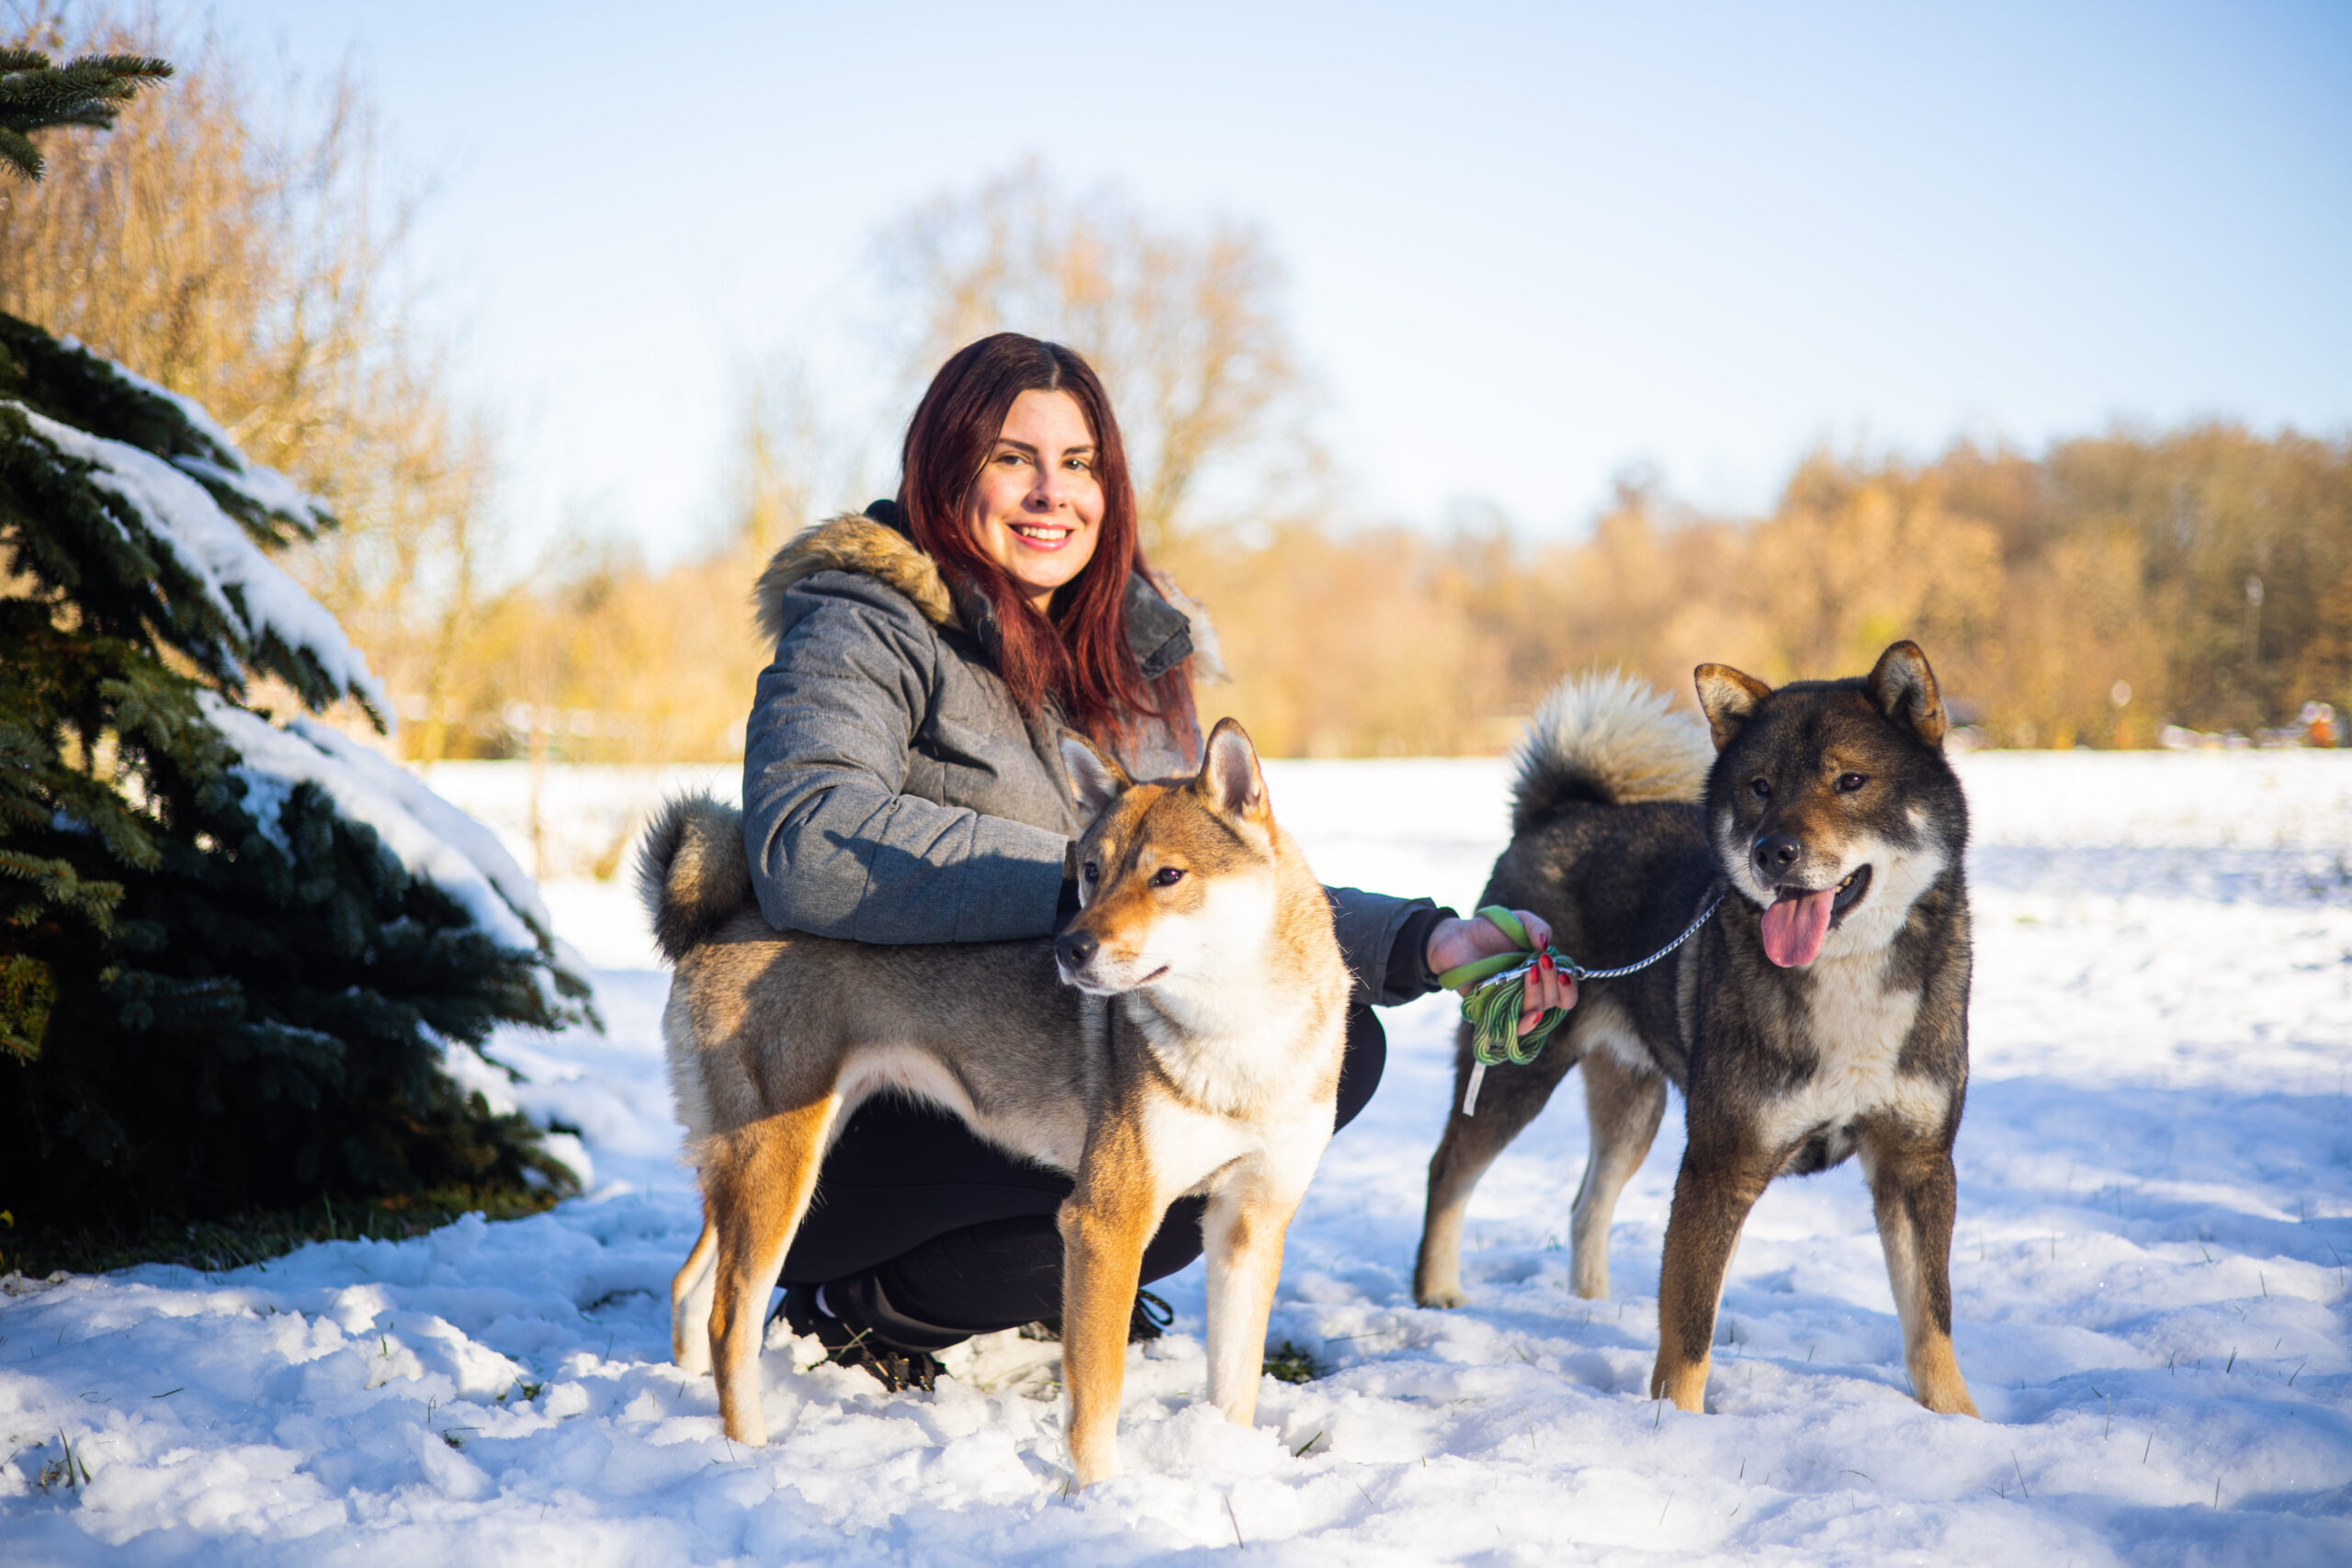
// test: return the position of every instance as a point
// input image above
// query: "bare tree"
(800, 458)
(1186, 328)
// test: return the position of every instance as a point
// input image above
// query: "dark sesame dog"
(1822, 1012)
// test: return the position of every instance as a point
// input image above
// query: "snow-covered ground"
(2149, 1276)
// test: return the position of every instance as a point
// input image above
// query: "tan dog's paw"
(1685, 1383)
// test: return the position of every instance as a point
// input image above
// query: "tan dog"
(1183, 1036)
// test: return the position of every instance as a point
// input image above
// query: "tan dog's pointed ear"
(1904, 690)
(1095, 777)
(1728, 698)
(1229, 775)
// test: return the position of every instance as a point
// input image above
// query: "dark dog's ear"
(1095, 777)
(1728, 698)
(1229, 776)
(1904, 690)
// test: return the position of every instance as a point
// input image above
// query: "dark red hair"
(1078, 654)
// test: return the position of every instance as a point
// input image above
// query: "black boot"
(851, 1343)
(1147, 1323)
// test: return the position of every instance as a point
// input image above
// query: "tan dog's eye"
(1849, 782)
(1167, 876)
(1093, 871)
(1763, 789)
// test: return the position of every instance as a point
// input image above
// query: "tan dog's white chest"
(1243, 1046)
(1241, 1075)
(1858, 1026)
(1259, 1095)
(1189, 1146)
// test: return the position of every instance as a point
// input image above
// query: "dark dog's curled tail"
(1605, 738)
(691, 872)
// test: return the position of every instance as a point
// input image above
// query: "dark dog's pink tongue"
(1796, 926)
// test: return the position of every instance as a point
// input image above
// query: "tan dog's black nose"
(1073, 948)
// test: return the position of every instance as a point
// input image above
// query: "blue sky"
(1527, 246)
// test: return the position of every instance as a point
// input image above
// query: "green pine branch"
(75, 387)
(18, 151)
(88, 92)
(27, 995)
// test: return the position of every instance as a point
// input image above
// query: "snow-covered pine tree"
(237, 959)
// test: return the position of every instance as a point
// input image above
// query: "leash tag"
(1470, 1095)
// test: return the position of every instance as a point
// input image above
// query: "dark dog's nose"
(1074, 948)
(1775, 852)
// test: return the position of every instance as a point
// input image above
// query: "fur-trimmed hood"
(1165, 624)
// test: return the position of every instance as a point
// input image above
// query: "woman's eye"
(1762, 788)
(1849, 782)
(1093, 871)
(1167, 876)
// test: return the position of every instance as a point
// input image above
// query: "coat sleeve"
(1369, 927)
(835, 848)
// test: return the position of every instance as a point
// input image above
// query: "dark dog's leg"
(756, 1188)
(1716, 1188)
(1106, 1225)
(1507, 1102)
(1916, 1194)
(1624, 1107)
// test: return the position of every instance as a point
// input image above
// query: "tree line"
(2090, 595)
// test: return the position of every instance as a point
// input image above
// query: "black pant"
(930, 1235)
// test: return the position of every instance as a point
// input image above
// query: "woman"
(901, 783)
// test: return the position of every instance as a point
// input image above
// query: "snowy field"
(2150, 1277)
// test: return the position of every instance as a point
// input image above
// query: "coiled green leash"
(1499, 987)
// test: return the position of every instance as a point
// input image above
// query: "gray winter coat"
(893, 791)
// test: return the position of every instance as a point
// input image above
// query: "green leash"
(1499, 982)
(1492, 1009)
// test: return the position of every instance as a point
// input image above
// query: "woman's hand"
(1458, 941)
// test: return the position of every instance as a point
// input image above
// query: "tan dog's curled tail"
(692, 874)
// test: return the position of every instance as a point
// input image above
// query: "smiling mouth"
(1046, 533)
(1850, 893)
(1801, 918)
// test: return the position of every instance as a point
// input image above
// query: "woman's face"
(1036, 509)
